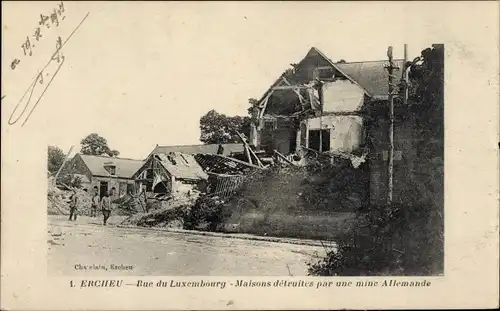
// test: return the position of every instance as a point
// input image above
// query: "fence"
(226, 185)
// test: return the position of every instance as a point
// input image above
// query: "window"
(319, 138)
(130, 188)
(184, 158)
(293, 141)
(171, 159)
(270, 125)
(111, 169)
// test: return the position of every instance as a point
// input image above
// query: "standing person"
(95, 203)
(73, 205)
(106, 206)
(113, 196)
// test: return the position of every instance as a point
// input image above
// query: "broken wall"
(304, 72)
(342, 96)
(180, 188)
(279, 134)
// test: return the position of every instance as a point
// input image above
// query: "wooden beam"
(390, 166)
(247, 152)
(292, 87)
(247, 148)
(62, 165)
(283, 158)
(256, 157)
(404, 77)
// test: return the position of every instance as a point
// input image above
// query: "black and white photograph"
(334, 167)
(220, 146)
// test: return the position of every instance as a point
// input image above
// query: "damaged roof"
(125, 168)
(181, 165)
(372, 75)
(214, 163)
(227, 149)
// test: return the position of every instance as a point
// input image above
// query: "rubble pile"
(129, 205)
(164, 211)
(58, 200)
(85, 202)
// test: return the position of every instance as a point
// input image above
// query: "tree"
(342, 61)
(55, 159)
(254, 103)
(97, 145)
(426, 80)
(217, 128)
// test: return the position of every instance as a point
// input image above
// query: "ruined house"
(319, 105)
(222, 166)
(330, 108)
(171, 173)
(342, 108)
(104, 173)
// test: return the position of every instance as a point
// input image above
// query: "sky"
(143, 73)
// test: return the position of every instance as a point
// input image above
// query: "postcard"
(249, 155)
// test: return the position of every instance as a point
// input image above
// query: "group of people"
(104, 203)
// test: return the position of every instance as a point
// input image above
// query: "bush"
(400, 240)
(206, 213)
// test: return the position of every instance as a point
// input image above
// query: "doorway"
(103, 187)
(293, 141)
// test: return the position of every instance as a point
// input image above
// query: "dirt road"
(85, 247)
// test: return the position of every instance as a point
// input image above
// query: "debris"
(355, 160)
(282, 157)
(213, 163)
(249, 151)
(58, 200)
(164, 213)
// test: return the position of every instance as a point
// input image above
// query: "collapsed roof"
(224, 149)
(219, 164)
(181, 166)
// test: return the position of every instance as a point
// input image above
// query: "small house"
(104, 173)
(172, 173)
